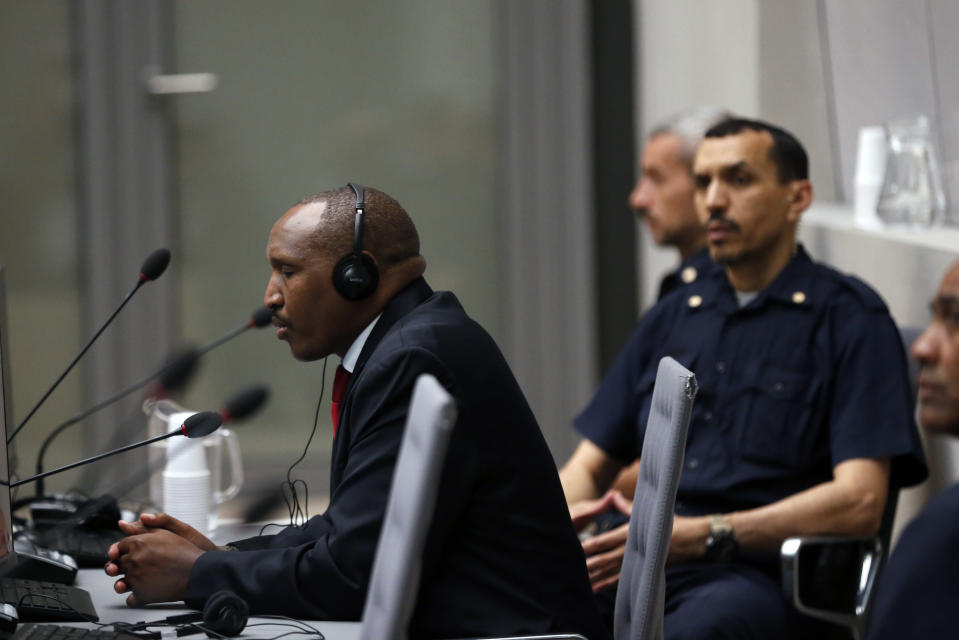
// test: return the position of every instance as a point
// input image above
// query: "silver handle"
(160, 84)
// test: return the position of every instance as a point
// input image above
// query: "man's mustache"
(720, 217)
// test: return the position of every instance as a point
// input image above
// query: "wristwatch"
(721, 545)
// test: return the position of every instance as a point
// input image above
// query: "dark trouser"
(713, 601)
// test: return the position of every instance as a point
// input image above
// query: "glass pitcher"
(218, 445)
(911, 193)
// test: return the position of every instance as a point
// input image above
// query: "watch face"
(721, 546)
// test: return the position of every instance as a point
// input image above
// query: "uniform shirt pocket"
(780, 418)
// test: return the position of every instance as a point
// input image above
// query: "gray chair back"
(394, 580)
(642, 582)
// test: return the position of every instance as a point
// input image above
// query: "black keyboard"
(47, 601)
(87, 546)
(60, 632)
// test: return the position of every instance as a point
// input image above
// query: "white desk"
(111, 607)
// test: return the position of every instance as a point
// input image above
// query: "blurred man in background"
(919, 588)
(663, 195)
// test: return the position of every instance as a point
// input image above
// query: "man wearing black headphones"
(347, 280)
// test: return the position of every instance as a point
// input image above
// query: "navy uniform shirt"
(809, 373)
(688, 272)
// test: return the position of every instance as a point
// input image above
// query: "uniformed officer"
(803, 416)
(663, 195)
(663, 199)
(917, 594)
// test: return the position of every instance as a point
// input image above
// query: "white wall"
(690, 52)
(757, 59)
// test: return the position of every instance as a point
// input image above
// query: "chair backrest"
(642, 582)
(395, 577)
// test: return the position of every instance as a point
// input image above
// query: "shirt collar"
(353, 353)
(792, 286)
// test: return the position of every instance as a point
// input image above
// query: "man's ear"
(800, 194)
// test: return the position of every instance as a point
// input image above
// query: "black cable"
(199, 626)
(298, 514)
(292, 633)
(292, 485)
(141, 629)
(301, 626)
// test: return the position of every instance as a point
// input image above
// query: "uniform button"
(688, 275)
(778, 387)
(721, 367)
(695, 301)
(692, 464)
(799, 297)
(708, 416)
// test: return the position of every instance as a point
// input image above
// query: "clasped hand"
(605, 551)
(155, 559)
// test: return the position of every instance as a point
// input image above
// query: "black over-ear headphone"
(355, 276)
(224, 613)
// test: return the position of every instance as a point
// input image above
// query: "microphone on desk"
(171, 377)
(239, 406)
(196, 426)
(152, 268)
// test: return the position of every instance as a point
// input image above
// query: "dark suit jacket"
(918, 589)
(501, 556)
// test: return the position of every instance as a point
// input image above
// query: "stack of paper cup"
(870, 170)
(186, 479)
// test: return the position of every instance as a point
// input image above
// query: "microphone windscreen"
(155, 264)
(245, 402)
(261, 317)
(201, 424)
(179, 370)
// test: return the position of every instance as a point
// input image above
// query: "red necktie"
(340, 380)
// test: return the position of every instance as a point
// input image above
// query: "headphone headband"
(358, 191)
(355, 275)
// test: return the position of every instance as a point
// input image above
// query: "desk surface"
(111, 607)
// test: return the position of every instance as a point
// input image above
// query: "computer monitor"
(7, 557)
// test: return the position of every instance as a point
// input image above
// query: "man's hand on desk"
(150, 521)
(155, 558)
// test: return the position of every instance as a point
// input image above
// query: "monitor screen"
(6, 417)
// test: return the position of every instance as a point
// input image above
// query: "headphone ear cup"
(225, 613)
(355, 277)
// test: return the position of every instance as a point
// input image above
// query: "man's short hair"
(388, 232)
(689, 126)
(787, 153)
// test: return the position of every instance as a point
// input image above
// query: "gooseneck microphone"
(244, 402)
(153, 267)
(196, 426)
(238, 407)
(259, 319)
(172, 376)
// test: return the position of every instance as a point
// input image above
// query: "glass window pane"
(38, 242)
(312, 95)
